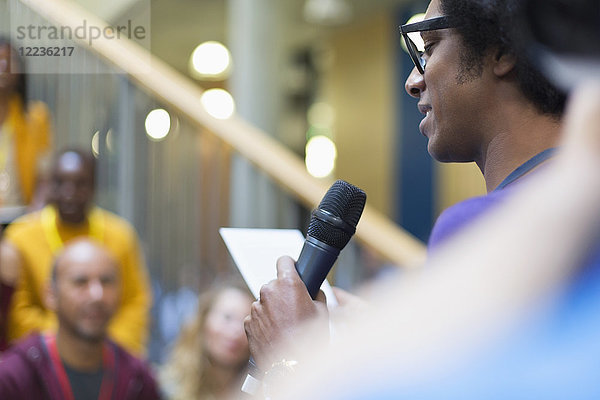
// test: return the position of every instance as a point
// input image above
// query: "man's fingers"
(247, 321)
(286, 268)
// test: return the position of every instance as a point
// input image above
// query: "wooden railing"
(375, 231)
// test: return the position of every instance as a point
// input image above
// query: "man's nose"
(415, 84)
(96, 290)
(68, 189)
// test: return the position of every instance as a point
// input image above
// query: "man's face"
(86, 292)
(451, 101)
(72, 188)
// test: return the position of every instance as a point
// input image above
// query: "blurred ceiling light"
(96, 144)
(327, 12)
(320, 156)
(414, 36)
(210, 61)
(158, 124)
(109, 140)
(218, 103)
(321, 115)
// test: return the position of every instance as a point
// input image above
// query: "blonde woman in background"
(211, 353)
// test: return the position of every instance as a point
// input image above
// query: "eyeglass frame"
(430, 24)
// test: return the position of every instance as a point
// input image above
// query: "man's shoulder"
(112, 218)
(461, 214)
(116, 224)
(22, 347)
(22, 367)
(26, 220)
(134, 373)
(26, 226)
(130, 363)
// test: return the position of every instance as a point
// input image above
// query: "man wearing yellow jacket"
(38, 236)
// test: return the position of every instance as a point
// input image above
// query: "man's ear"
(504, 63)
(50, 296)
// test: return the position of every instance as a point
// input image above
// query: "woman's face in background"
(225, 340)
(9, 69)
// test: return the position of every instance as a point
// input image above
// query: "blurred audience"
(211, 353)
(34, 239)
(78, 361)
(25, 141)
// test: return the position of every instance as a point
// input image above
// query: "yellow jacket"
(129, 326)
(32, 139)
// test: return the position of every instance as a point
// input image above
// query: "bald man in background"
(78, 361)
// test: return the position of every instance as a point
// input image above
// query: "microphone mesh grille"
(344, 201)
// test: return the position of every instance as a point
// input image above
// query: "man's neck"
(77, 353)
(515, 142)
(69, 222)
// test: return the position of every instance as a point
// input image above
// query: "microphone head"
(334, 221)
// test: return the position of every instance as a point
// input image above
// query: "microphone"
(331, 226)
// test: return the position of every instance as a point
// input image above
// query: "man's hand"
(276, 320)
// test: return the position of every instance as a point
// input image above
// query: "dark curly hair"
(487, 24)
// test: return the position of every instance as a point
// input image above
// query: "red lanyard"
(108, 366)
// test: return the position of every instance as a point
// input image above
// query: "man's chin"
(92, 335)
(71, 217)
(435, 152)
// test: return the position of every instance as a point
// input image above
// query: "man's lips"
(424, 108)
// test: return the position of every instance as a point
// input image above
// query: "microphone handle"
(314, 263)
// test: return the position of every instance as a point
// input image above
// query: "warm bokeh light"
(327, 12)
(158, 124)
(414, 36)
(320, 156)
(218, 103)
(96, 144)
(321, 115)
(210, 60)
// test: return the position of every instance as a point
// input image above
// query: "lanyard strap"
(108, 368)
(526, 167)
(48, 217)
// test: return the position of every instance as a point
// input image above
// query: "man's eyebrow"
(429, 34)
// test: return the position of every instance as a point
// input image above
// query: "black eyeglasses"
(431, 24)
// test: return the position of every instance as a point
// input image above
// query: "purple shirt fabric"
(26, 372)
(460, 215)
(463, 213)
